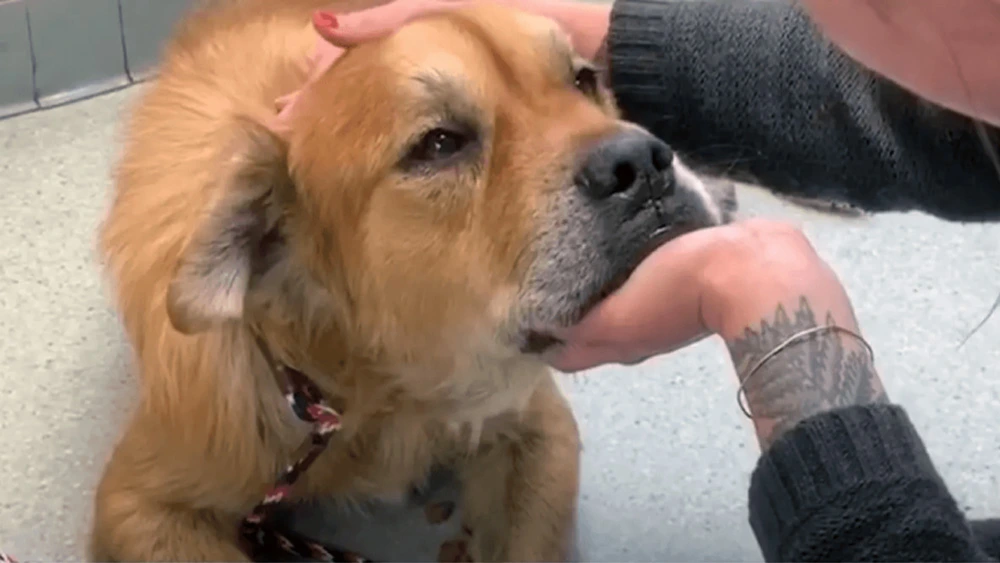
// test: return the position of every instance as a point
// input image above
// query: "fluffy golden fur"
(407, 285)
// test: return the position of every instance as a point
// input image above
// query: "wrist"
(758, 267)
(764, 284)
(804, 306)
(789, 373)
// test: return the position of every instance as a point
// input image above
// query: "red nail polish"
(325, 20)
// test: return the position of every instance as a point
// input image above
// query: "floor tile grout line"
(36, 97)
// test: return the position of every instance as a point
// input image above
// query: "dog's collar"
(259, 530)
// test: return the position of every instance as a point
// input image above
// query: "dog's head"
(459, 187)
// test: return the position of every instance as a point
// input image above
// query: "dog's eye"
(586, 81)
(438, 144)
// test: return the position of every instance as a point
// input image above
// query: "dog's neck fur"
(460, 392)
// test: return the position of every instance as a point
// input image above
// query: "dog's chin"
(538, 341)
(615, 282)
(703, 204)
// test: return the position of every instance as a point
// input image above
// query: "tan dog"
(445, 196)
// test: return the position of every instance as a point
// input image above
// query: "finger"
(572, 358)
(373, 23)
(281, 103)
(278, 124)
(325, 23)
(609, 324)
(364, 25)
(323, 61)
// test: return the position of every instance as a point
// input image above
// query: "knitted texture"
(856, 484)
(752, 89)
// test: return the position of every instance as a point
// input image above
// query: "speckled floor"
(667, 452)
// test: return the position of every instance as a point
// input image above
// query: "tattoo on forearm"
(821, 372)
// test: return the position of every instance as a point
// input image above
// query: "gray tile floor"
(667, 454)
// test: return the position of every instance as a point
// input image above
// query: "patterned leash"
(264, 539)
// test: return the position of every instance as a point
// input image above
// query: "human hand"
(755, 284)
(712, 281)
(324, 54)
(586, 24)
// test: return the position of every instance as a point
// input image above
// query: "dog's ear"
(239, 239)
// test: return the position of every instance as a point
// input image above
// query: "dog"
(442, 200)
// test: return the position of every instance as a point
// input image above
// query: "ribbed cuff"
(826, 455)
(637, 61)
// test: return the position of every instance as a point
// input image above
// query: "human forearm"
(770, 297)
(840, 466)
(754, 90)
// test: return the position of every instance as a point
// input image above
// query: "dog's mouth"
(658, 238)
(620, 247)
(537, 341)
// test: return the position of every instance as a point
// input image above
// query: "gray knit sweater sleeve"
(751, 88)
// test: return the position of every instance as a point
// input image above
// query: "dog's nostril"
(624, 175)
(662, 156)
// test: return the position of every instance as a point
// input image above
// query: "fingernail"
(325, 20)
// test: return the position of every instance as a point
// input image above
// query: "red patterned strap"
(264, 539)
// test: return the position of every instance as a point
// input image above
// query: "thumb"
(572, 357)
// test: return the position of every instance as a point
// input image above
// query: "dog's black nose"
(629, 161)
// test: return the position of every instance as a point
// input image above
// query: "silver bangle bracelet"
(798, 336)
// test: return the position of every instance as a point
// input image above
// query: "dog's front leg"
(147, 508)
(520, 495)
(161, 533)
